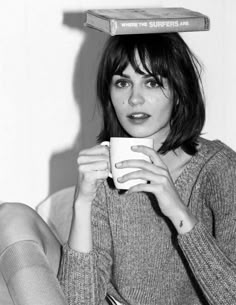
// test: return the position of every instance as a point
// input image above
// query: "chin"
(139, 134)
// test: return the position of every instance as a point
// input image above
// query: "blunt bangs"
(128, 49)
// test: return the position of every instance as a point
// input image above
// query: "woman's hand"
(93, 168)
(160, 184)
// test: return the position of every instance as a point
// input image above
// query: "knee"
(12, 215)
(17, 222)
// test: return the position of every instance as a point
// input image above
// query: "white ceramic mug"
(120, 150)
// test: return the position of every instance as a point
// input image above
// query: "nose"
(136, 97)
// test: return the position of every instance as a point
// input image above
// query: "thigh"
(20, 222)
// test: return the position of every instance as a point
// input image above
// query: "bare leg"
(29, 257)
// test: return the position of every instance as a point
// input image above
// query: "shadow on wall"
(63, 166)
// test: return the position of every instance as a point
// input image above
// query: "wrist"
(82, 210)
(80, 237)
(82, 198)
(183, 220)
(82, 201)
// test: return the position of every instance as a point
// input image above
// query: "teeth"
(138, 115)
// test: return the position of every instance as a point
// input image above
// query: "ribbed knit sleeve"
(212, 254)
(84, 277)
(76, 276)
(215, 273)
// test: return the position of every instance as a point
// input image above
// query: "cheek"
(119, 113)
(117, 108)
(119, 97)
(162, 110)
(119, 104)
(166, 112)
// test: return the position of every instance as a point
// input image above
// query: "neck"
(171, 157)
(175, 161)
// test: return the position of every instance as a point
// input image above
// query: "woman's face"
(143, 107)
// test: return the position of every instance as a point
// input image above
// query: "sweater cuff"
(213, 270)
(198, 245)
(76, 274)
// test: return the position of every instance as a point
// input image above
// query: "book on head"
(146, 20)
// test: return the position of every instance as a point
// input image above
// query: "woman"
(170, 241)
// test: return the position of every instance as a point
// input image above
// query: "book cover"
(146, 20)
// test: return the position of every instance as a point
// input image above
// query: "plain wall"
(48, 63)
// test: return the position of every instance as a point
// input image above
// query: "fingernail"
(134, 147)
(118, 164)
(119, 179)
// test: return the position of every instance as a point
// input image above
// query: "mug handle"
(107, 143)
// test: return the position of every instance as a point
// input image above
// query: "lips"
(138, 116)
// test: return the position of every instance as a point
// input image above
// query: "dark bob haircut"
(163, 56)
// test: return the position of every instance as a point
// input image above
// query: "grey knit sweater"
(139, 258)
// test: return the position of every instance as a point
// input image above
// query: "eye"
(152, 83)
(122, 83)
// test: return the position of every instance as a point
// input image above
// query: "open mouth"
(138, 116)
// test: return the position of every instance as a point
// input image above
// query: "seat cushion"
(56, 211)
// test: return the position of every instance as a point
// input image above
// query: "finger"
(101, 175)
(142, 164)
(139, 188)
(93, 166)
(85, 159)
(144, 175)
(151, 153)
(142, 187)
(93, 177)
(96, 150)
